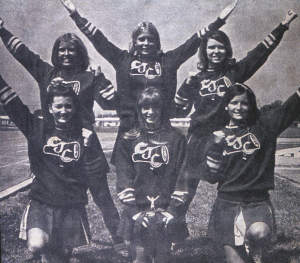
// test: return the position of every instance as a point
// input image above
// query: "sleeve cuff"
(298, 91)
(75, 15)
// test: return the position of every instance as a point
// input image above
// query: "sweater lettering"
(247, 144)
(67, 151)
(214, 87)
(147, 69)
(156, 156)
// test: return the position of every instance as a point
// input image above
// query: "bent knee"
(259, 231)
(37, 239)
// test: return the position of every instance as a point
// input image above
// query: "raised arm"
(105, 48)
(31, 61)
(259, 55)
(104, 92)
(18, 113)
(277, 120)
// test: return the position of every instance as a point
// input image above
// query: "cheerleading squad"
(230, 142)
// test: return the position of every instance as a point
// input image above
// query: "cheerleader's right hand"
(69, 5)
(228, 10)
(218, 137)
(290, 16)
(1, 23)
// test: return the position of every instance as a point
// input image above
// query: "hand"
(96, 71)
(167, 217)
(192, 75)
(69, 5)
(218, 136)
(145, 222)
(228, 10)
(290, 16)
(87, 135)
(1, 23)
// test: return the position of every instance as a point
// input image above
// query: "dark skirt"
(176, 230)
(65, 226)
(225, 212)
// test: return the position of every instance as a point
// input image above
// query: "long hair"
(82, 54)
(150, 96)
(221, 37)
(239, 89)
(142, 28)
(56, 89)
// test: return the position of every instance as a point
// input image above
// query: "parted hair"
(141, 28)
(83, 57)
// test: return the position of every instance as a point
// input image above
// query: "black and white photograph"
(150, 131)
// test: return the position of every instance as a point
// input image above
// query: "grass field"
(197, 248)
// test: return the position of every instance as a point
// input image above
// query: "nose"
(216, 50)
(66, 52)
(146, 42)
(63, 110)
(238, 106)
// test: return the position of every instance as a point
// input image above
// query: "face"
(146, 45)
(216, 52)
(238, 108)
(62, 110)
(151, 115)
(67, 55)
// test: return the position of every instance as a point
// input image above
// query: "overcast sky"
(38, 23)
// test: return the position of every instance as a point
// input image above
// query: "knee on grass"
(259, 234)
(37, 239)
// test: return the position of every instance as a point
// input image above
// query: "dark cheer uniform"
(205, 93)
(88, 88)
(56, 159)
(147, 169)
(246, 173)
(134, 75)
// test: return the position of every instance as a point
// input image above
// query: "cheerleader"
(55, 221)
(241, 159)
(148, 162)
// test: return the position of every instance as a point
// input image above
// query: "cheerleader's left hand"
(87, 137)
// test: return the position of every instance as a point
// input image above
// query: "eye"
(69, 106)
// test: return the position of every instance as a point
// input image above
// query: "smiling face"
(216, 53)
(151, 116)
(67, 54)
(238, 109)
(146, 45)
(62, 109)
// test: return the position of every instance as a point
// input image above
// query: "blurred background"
(38, 23)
